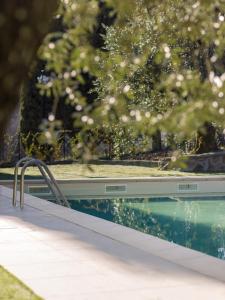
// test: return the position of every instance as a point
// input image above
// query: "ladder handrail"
(47, 175)
(28, 164)
(21, 161)
(49, 184)
(52, 178)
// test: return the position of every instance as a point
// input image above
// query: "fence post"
(64, 145)
(19, 139)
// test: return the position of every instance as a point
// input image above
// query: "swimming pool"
(194, 222)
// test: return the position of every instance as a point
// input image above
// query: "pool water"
(196, 223)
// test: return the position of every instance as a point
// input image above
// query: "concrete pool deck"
(65, 255)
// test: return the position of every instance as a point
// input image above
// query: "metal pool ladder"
(47, 175)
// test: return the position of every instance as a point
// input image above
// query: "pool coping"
(188, 258)
(129, 179)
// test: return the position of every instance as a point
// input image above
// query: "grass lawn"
(76, 170)
(13, 289)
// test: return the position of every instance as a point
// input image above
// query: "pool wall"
(130, 187)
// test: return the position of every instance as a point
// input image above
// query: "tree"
(37, 107)
(178, 60)
(174, 34)
(206, 139)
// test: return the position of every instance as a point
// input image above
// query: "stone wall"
(208, 162)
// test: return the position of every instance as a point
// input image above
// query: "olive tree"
(182, 39)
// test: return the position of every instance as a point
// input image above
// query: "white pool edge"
(174, 253)
(132, 187)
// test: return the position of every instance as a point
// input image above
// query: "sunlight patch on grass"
(13, 289)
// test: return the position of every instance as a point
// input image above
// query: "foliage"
(35, 108)
(8, 149)
(164, 66)
(117, 142)
(182, 40)
(181, 80)
(63, 148)
(32, 104)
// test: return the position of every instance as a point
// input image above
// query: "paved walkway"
(60, 260)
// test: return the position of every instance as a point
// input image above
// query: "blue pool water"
(196, 223)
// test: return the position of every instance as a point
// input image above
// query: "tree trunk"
(23, 25)
(156, 141)
(206, 139)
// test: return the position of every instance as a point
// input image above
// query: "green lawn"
(13, 289)
(76, 170)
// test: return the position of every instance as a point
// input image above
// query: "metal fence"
(65, 149)
(13, 148)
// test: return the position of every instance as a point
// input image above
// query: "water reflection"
(197, 223)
